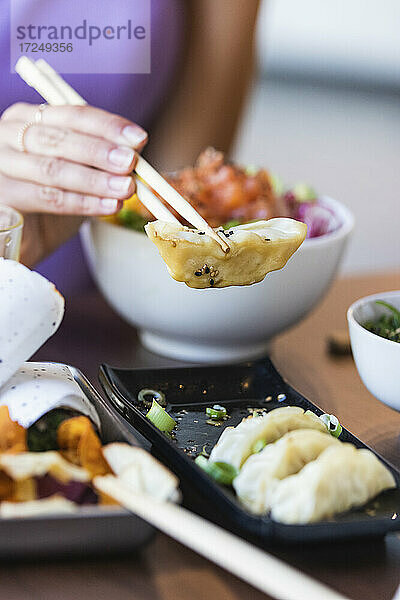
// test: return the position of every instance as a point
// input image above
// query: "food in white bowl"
(227, 195)
(374, 335)
(214, 325)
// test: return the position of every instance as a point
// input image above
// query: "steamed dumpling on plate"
(341, 478)
(236, 443)
(262, 471)
(256, 249)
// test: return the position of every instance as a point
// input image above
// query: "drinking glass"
(11, 224)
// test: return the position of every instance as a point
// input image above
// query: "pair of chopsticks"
(249, 563)
(150, 184)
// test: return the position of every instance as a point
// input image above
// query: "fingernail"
(134, 135)
(120, 184)
(121, 157)
(109, 205)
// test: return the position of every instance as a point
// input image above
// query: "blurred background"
(325, 109)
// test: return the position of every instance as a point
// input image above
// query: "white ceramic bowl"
(377, 359)
(212, 325)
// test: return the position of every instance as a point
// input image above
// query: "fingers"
(30, 197)
(65, 143)
(77, 160)
(84, 119)
(56, 172)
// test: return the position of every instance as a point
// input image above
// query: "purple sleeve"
(137, 97)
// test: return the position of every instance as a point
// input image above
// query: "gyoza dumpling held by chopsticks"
(255, 250)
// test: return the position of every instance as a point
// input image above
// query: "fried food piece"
(7, 486)
(12, 434)
(79, 443)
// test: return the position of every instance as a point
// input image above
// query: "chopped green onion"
(221, 472)
(216, 412)
(258, 446)
(204, 451)
(304, 193)
(160, 418)
(202, 462)
(153, 395)
(332, 424)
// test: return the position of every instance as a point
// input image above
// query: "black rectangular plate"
(188, 392)
(93, 530)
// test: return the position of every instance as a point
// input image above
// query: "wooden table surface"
(165, 570)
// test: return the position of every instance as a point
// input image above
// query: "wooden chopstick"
(152, 203)
(174, 199)
(253, 565)
(33, 76)
(55, 90)
(71, 96)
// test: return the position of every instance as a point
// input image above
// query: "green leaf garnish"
(131, 219)
(304, 193)
(277, 185)
(230, 224)
(251, 170)
(390, 307)
(387, 325)
(42, 435)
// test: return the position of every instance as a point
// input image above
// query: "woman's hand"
(77, 162)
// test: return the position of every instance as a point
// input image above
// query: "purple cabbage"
(76, 491)
(319, 218)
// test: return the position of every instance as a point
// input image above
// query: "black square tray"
(188, 392)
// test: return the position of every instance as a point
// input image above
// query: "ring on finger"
(22, 132)
(21, 135)
(39, 112)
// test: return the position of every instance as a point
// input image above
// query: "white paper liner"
(36, 388)
(31, 310)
